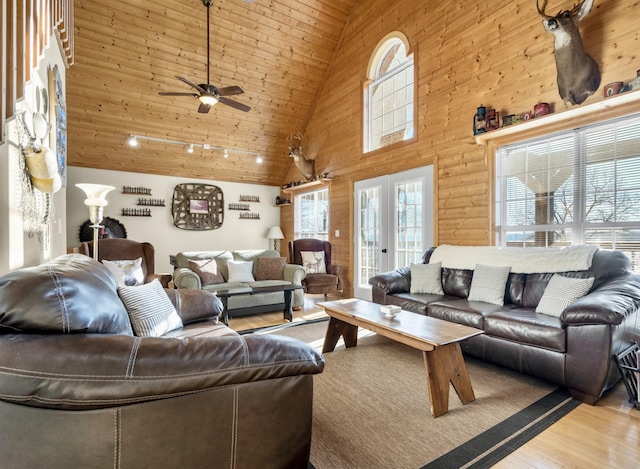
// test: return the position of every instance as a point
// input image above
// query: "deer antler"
(541, 11)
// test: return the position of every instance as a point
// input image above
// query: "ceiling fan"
(208, 94)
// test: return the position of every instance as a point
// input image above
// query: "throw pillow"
(313, 262)
(128, 273)
(489, 283)
(240, 271)
(271, 268)
(150, 310)
(426, 278)
(207, 270)
(562, 291)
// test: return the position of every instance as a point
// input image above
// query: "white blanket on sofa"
(521, 260)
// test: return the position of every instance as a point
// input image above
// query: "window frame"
(373, 80)
(299, 206)
(580, 225)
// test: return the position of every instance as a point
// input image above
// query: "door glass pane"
(409, 229)
(369, 235)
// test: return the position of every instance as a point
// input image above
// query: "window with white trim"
(389, 94)
(575, 187)
(312, 215)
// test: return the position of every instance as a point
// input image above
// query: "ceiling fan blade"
(171, 93)
(230, 90)
(235, 104)
(192, 84)
(204, 108)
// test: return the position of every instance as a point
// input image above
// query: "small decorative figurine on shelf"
(493, 120)
(479, 120)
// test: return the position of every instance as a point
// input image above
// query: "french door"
(393, 223)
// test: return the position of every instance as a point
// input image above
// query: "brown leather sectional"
(576, 350)
(78, 389)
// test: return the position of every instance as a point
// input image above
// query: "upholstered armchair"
(314, 255)
(122, 249)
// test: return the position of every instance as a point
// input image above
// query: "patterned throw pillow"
(207, 270)
(313, 262)
(488, 284)
(426, 278)
(240, 271)
(562, 291)
(128, 273)
(271, 268)
(150, 310)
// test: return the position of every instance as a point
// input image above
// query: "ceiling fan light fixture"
(208, 99)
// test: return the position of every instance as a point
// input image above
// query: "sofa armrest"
(397, 281)
(294, 273)
(339, 271)
(184, 277)
(609, 304)
(92, 371)
(195, 305)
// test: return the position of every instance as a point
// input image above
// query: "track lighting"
(134, 141)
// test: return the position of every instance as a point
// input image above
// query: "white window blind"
(576, 187)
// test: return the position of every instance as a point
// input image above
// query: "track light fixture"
(135, 139)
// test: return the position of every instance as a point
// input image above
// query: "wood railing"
(27, 26)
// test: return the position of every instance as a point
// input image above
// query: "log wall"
(466, 54)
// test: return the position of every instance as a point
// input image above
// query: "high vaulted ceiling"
(126, 51)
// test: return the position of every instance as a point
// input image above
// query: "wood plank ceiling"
(126, 51)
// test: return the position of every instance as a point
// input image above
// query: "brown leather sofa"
(78, 389)
(576, 350)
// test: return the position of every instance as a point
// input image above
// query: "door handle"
(384, 251)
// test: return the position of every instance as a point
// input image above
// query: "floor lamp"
(275, 233)
(96, 201)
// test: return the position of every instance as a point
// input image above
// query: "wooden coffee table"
(288, 289)
(438, 340)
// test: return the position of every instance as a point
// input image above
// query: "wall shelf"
(615, 106)
(305, 186)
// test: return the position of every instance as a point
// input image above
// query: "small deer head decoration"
(578, 73)
(306, 167)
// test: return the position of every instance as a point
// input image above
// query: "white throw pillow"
(240, 271)
(150, 310)
(128, 273)
(489, 283)
(426, 278)
(561, 291)
(313, 262)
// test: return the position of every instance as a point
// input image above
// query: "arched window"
(389, 109)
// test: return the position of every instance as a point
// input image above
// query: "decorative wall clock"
(197, 207)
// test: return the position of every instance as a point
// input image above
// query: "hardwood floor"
(606, 435)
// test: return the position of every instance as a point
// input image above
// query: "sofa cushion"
(560, 292)
(72, 293)
(469, 313)
(127, 272)
(456, 282)
(488, 284)
(525, 326)
(207, 270)
(426, 278)
(271, 268)
(240, 271)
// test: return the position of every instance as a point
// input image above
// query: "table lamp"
(275, 233)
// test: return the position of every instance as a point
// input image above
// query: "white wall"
(17, 248)
(159, 229)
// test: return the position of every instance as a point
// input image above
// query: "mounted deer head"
(578, 73)
(306, 167)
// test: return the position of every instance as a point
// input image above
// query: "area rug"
(371, 409)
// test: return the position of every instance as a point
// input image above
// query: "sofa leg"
(586, 398)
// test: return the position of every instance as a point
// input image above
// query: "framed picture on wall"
(197, 207)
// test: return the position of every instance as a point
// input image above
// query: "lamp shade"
(96, 194)
(275, 233)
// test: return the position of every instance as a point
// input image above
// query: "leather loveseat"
(184, 276)
(78, 389)
(575, 350)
